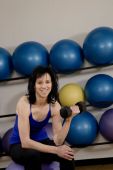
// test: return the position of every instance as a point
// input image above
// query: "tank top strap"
(49, 109)
(30, 107)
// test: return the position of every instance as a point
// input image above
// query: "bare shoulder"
(55, 108)
(23, 99)
(22, 105)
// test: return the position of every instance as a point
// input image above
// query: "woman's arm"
(60, 131)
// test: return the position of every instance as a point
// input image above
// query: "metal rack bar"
(80, 69)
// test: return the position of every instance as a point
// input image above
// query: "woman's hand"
(65, 152)
(75, 110)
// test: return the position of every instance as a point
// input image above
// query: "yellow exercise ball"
(70, 94)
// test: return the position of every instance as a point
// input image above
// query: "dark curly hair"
(38, 72)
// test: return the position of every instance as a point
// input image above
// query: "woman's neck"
(41, 101)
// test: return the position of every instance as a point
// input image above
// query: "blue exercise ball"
(83, 130)
(106, 125)
(66, 56)
(6, 66)
(28, 55)
(99, 90)
(98, 46)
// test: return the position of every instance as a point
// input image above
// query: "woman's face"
(43, 86)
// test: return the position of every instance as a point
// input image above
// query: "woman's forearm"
(39, 146)
(61, 135)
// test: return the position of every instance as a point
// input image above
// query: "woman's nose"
(44, 85)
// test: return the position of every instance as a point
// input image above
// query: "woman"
(30, 145)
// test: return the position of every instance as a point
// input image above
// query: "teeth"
(44, 91)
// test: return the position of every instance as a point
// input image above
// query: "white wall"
(48, 21)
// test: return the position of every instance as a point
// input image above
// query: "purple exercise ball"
(106, 125)
(13, 166)
(52, 166)
(1, 149)
(5, 141)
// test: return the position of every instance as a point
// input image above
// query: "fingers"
(66, 152)
(69, 154)
(75, 109)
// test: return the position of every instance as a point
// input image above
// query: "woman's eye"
(39, 82)
(48, 82)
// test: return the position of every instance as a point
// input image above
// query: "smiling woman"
(29, 139)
